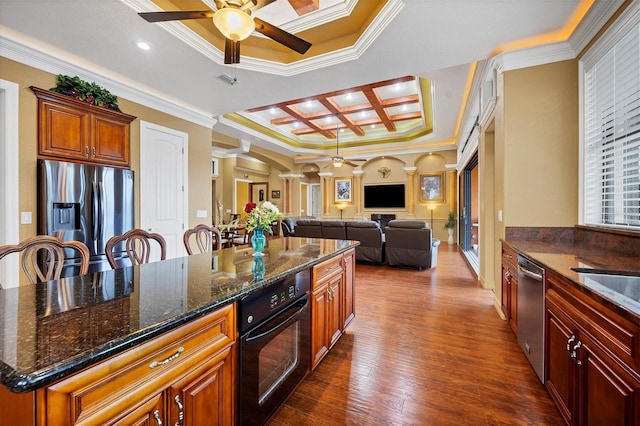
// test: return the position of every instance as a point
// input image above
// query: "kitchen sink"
(623, 283)
(597, 271)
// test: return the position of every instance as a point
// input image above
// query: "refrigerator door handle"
(94, 206)
(100, 208)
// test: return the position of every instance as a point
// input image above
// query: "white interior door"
(314, 197)
(9, 223)
(163, 184)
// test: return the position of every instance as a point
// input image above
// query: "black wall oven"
(274, 346)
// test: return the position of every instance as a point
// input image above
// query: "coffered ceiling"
(394, 73)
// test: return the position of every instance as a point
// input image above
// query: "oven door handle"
(260, 333)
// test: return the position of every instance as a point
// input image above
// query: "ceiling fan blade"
(176, 16)
(281, 36)
(231, 51)
(351, 164)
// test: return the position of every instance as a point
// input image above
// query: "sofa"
(409, 243)
(367, 232)
(311, 228)
(288, 225)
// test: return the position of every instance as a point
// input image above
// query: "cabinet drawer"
(100, 393)
(509, 256)
(615, 333)
(326, 269)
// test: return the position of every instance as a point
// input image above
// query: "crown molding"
(19, 48)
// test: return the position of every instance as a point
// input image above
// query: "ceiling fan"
(337, 160)
(233, 19)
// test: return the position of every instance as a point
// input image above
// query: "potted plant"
(450, 225)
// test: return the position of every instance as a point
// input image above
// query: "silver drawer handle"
(154, 364)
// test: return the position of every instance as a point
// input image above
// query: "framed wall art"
(275, 194)
(343, 190)
(432, 187)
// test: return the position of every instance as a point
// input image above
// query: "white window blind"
(612, 136)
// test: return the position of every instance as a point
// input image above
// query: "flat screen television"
(384, 196)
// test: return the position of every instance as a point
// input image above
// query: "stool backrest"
(52, 249)
(205, 237)
(137, 244)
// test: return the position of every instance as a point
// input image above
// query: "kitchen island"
(80, 345)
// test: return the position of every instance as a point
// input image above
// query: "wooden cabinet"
(72, 130)
(349, 299)
(510, 286)
(186, 376)
(592, 358)
(332, 303)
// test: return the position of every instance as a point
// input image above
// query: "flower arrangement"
(261, 216)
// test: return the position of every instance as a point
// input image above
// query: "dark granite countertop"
(560, 256)
(54, 329)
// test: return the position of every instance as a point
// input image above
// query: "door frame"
(182, 193)
(9, 201)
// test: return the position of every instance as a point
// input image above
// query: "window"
(611, 146)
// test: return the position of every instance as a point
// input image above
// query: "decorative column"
(411, 171)
(453, 184)
(357, 192)
(325, 191)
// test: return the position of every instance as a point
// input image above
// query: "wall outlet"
(25, 218)
(228, 210)
(202, 213)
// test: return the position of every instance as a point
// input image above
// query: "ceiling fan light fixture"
(234, 24)
(337, 164)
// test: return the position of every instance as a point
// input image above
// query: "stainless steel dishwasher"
(531, 313)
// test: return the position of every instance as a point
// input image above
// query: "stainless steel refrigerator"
(85, 203)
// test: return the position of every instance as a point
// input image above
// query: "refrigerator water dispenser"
(66, 216)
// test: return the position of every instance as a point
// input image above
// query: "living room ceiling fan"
(233, 19)
(337, 160)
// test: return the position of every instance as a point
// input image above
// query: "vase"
(257, 269)
(258, 240)
(450, 232)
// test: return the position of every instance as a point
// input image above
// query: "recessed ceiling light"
(273, 111)
(143, 45)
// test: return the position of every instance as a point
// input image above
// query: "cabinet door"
(348, 300)
(63, 131)
(334, 313)
(150, 412)
(609, 395)
(110, 141)
(506, 291)
(319, 308)
(559, 366)
(513, 300)
(206, 395)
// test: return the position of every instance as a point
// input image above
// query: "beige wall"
(541, 145)
(199, 145)
(534, 161)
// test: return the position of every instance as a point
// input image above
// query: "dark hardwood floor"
(425, 348)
